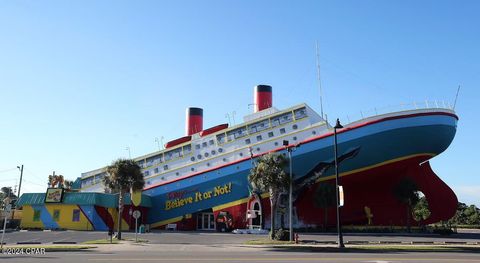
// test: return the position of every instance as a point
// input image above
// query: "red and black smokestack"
(194, 121)
(262, 97)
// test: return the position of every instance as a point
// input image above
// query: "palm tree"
(325, 198)
(269, 175)
(123, 175)
(406, 191)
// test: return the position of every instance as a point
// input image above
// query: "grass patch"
(139, 240)
(380, 249)
(102, 241)
(55, 248)
(266, 241)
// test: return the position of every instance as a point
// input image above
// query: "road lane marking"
(286, 259)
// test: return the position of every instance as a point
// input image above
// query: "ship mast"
(319, 79)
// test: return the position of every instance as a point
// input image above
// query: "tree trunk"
(120, 208)
(326, 219)
(273, 203)
(408, 219)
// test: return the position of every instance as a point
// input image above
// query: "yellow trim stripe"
(375, 166)
(234, 203)
(265, 195)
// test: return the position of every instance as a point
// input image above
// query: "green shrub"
(282, 235)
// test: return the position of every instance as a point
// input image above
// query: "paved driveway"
(170, 237)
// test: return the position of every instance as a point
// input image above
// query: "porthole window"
(270, 134)
(206, 154)
(282, 130)
(294, 126)
(163, 178)
(148, 182)
(276, 143)
(199, 156)
(247, 141)
(258, 149)
(314, 132)
(177, 173)
(192, 169)
(165, 167)
(220, 150)
(294, 138)
(197, 146)
(211, 142)
(208, 164)
(224, 159)
(214, 152)
(192, 159)
(204, 144)
(241, 154)
(147, 173)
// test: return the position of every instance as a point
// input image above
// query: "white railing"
(425, 105)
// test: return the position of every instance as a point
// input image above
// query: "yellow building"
(79, 211)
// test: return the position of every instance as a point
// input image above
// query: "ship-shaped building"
(200, 181)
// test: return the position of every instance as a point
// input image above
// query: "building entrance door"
(205, 221)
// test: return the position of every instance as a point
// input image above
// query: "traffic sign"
(136, 214)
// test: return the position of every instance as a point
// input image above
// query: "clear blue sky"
(82, 80)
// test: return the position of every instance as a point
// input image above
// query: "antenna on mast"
(456, 96)
(319, 79)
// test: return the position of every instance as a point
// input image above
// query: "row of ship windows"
(165, 167)
(178, 153)
(213, 152)
(257, 127)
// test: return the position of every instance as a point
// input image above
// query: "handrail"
(425, 105)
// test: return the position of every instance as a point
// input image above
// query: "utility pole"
(19, 188)
(20, 184)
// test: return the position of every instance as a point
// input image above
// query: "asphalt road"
(199, 238)
(229, 253)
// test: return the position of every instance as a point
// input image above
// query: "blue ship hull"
(365, 147)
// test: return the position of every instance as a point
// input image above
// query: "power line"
(36, 177)
(30, 182)
(8, 170)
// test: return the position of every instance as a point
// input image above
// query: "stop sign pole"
(136, 215)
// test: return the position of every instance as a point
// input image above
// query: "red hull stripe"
(303, 142)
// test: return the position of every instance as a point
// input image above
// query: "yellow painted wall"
(114, 213)
(27, 218)
(66, 216)
(65, 220)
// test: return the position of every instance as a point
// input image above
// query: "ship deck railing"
(378, 112)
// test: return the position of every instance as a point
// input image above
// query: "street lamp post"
(337, 183)
(290, 205)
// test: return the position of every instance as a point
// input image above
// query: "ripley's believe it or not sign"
(179, 199)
